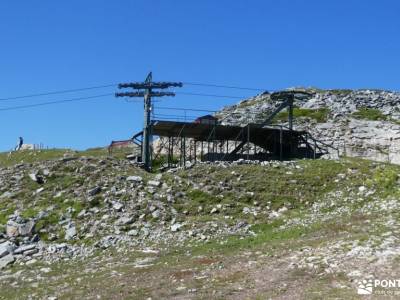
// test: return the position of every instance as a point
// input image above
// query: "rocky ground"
(85, 225)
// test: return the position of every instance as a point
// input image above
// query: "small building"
(207, 119)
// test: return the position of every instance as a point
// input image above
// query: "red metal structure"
(207, 119)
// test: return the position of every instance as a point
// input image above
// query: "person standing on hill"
(20, 143)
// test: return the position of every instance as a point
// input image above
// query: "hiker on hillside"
(20, 143)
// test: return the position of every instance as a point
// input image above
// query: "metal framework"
(193, 141)
(287, 98)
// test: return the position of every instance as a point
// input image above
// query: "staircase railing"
(318, 147)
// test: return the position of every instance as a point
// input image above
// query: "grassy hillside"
(319, 115)
(29, 156)
(311, 225)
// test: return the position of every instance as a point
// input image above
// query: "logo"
(384, 287)
(365, 287)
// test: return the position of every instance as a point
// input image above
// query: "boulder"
(6, 260)
(94, 191)
(5, 195)
(24, 248)
(175, 227)
(26, 228)
(117, 206)
(134, 178)
(124, 221)
(6, 248)
(133, 232)
(154, 183)
(36, 178)
(12, 229)
(70, 233)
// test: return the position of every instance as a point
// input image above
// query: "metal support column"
(195, 151)
(248, 142)
(315, 149)
(169, 152)
(190, 150)
(291, 101)
(146, 125)
(281, 144)
(184, 152)
(202, 151)
(145, 89)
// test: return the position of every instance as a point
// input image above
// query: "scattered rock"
(124, 221)
(6, 260)
(6, 248)
(70, 233)
(176, 227)
(14, 229)
(36, 178)
(154, 183)
(5, 195)
(94, 191)
(134, 178)
(214, 210)
(133, 232)
(24, 248)
(26, 228)
(118, 206)
(45, 270)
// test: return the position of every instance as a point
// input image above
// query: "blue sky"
(56, 45)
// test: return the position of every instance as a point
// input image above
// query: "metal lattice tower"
(145, 89)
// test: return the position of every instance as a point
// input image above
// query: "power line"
(176, 116)
(54, 102)
(182, 108)
(138, 100)
(103, 95)
(224, 86)
(179, 119)
(115, 85)
(211, 95)
(58, 92)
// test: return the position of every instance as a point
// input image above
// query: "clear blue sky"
(55, 45)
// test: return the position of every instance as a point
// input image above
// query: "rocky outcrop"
(357, 137)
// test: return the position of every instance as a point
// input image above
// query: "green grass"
(247, 103)
(199, 197)
(4, 213)
(50, 220)
(274, 185)
(385, 180)
(161, 161)
(269, 237)
(29, 156)
(370, 114)
(295, 189)
(32, 156)
(319, 115)
(64, 181)
(29, 213)
(341, 92)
